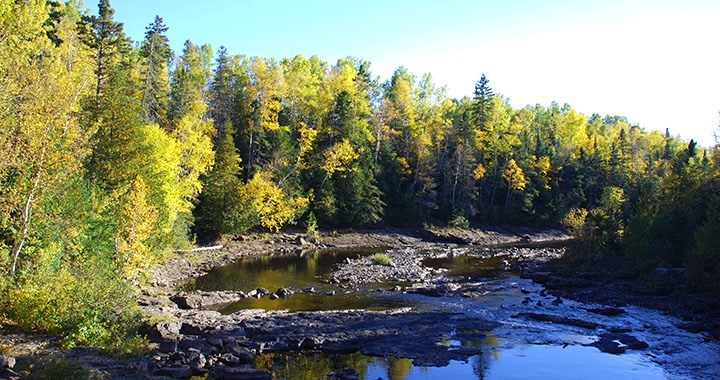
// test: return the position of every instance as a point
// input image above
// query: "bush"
(89, 306)
(380, 259)
(459, 221)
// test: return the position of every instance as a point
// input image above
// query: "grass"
(380, 259)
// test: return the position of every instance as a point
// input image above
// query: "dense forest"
(113, 153)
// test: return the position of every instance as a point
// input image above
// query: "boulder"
(181, 372)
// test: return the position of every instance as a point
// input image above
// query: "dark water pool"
(300, 272)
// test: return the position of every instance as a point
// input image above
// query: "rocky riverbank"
(192, 339)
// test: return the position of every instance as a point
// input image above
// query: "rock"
(310, 290)
(229, 359)
(608, 342)
(557, 301)
(163, 330)
(273, 296)
(330, 293)
(665, 280)
(343, 374)
(608, 311)
(258, 293)
(238, 373)
(283, 292)
(215, 341)
(559, 319)
(181, 372)
(197, 300)
(10, 374)
(243, 355)
(190, 329)
(7, 362)
(168, 347)
(300, 240)
(197, 363)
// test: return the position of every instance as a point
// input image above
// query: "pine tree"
(156, 51)
(105, 37)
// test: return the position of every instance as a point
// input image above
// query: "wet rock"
(238, 373)
(283, 293)
(607, 311)
(618, 343)
(197, 300)
(258, 293)
(343, 374)
(431, 290)
(559, 319)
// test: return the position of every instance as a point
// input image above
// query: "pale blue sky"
(656, 62)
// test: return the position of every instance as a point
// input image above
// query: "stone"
(181, 372)
(190, 329)
(241, 353)
(163, 330)
(7, 362)
(229, 358)
(559, 319)
(300, 240)
(283, 292)
(238, 373)
(608, 311)
(168, 347)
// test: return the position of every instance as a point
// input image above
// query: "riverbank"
(189, 336)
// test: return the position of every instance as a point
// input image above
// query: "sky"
(655, 62)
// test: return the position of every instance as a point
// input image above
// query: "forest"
(114, 153)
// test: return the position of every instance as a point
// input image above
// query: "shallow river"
(520, 348)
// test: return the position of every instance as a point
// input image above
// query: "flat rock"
(201, 299)
(559, 319)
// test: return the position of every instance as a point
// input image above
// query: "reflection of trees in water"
(481, 363)
(398, 368)
(300, 366)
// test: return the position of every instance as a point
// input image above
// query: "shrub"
(459, 221)
(380, 259)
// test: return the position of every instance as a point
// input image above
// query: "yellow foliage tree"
(271, 205)
(135, 230)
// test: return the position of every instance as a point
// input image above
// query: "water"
(300, 272)
(519, 349)
(526, 362)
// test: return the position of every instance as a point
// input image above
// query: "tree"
(155, 49)
(220, 208)
(105, 37)
(515, 179)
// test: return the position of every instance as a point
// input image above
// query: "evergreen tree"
(155, 49)
(105, 37)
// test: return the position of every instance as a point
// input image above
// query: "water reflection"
(533, 362)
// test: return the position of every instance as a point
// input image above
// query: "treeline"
(114, 153)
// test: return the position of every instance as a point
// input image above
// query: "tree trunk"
(27, 213)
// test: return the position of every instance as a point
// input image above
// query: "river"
(485, 286)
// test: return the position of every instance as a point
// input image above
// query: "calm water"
(519, 349)
(299, 272)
